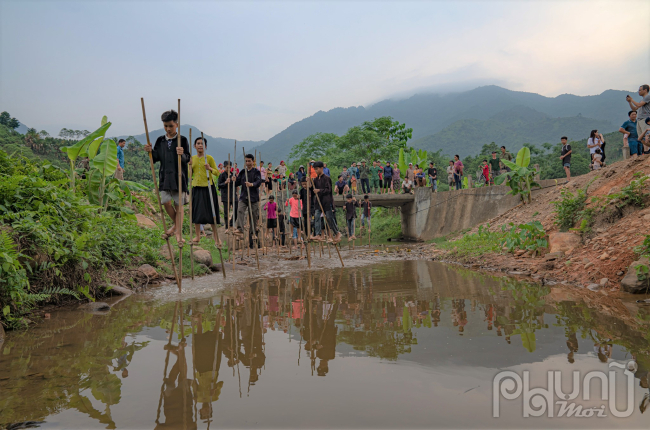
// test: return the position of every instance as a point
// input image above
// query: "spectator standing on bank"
(450, 174)
(458, 171)
(374, 177)
(326, 170)
(595, 142)
(495, 166)
(565, 157)
(396, 178)
(119, 172)
(642, 109)
(364, 176)
(505, 155)
(433, 177)
(629, 130)
(388, 178)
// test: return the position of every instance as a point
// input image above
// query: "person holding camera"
(642, 109)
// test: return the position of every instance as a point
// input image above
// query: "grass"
(470, 245)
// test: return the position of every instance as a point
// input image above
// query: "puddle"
(405, 344)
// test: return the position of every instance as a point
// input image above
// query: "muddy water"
(397, 345)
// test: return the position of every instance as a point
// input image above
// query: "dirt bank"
(603, 253)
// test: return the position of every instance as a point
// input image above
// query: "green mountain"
(429, 114)
(512, 128)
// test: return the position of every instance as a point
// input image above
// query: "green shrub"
(482, 242)
(568, 208)
(633, 194)
(530, 236)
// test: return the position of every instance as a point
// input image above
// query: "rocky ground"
(601, 256)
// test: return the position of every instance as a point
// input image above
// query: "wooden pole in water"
(214, 215)
(234, 212)
(189, 182)
(155, 186)
(179, 212)
(250, 211)
(171, 334)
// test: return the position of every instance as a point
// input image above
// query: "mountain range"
(218, 147)
(462, 122)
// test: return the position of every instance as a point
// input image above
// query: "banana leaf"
(80, 149)
(106, 161)
(523, 157)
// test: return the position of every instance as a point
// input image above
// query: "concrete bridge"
(427, 215)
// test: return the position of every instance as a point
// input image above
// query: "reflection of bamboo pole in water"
(182, 366)
(300, 312)
(171, 333)
(232, 360)
(237, 346)
(193, 357)
(250, 359)
(311, 338)
(213, 380)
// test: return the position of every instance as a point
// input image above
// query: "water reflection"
(212, 351)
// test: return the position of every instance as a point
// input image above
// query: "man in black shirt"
(566, 157)
(227, 178)
(250, 180)
(351, 205)
(166, 151)
(323, 188)
(495, 167)
(433, 177)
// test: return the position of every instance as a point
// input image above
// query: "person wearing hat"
(364, 174)
(301, 175)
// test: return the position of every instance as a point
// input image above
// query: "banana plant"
(86, 147)
(102, 189)
(416, 157)
(520, 178)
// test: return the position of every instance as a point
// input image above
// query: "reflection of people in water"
(603, 351)
(207, 361)
(326, 350)
(177, 403)
(250, 325)
(124, 355)
(572, 344)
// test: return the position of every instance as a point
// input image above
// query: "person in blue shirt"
(326, 170)
(629, 128)
(388, 178)
(119, 172)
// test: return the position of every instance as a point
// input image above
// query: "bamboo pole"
(250, 211)
(190, 193)
(160, 207)
(230, 236)
(234, 212)
(179, 212)
(214, 215)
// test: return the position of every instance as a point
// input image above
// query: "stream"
(401, 344)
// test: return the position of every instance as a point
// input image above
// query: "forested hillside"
(429, 114)
(512, 128)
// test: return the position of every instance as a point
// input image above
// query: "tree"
(364, 143)
(395, 133)
(7, 120)
(43, 134)
(314, 147)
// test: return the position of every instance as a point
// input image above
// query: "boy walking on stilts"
(166, 151)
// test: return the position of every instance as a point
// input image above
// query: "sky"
(248, 70)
